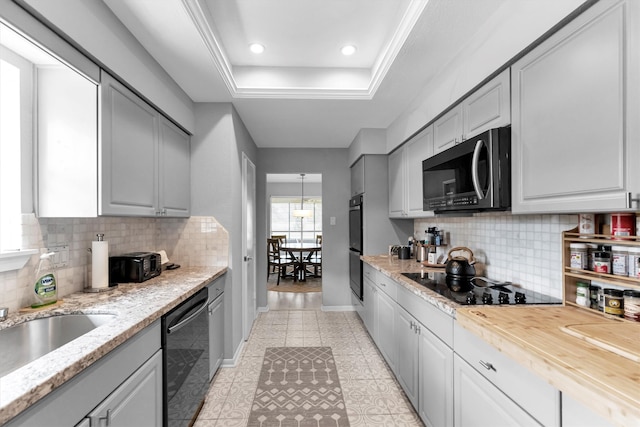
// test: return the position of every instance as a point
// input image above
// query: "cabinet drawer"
(369, 272)
(437, 321)
(388, 286)
(534, 395)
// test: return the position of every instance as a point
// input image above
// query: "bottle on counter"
(46, 285)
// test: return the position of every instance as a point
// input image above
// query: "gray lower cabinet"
(480, 403)
(491, 388)
(385, 326)
(137, 402)
(216, 326)
(435, 380)
(425, 370)
(124, 387)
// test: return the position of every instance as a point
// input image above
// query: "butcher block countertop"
(589, 357)
(135, 305)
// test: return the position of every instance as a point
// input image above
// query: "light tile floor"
(372, 396)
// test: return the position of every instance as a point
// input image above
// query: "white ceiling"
(301, 92)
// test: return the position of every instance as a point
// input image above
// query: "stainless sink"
(25, 342)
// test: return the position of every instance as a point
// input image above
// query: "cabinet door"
(574, 146)
(489, 107)
(385, 328)
(447, 130)
(435, 379)
(174, 171)
(357, 177)
(129, 152)
(407, 345)
(137, 402)
(216, 335)
(397, 180)
(417, 150)
(370, 302)
(479, 403)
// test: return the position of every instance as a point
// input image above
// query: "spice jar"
(614, 302)
(632, 305)
(579, 257)
(632, 264)
(619, 260)
(582, 294)
(594, 292)
(602, 262)
(623, 224)
(591, 249)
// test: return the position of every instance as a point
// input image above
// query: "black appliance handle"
(184, 322)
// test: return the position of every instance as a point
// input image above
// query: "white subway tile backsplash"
(525, 249)
(194, 241)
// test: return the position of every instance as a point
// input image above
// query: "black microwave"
(474, 175)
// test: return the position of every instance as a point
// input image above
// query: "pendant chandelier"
(302, 212)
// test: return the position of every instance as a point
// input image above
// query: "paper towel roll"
(99, 264)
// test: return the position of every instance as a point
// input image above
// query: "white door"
(248, 244)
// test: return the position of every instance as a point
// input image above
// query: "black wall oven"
(474, 175)
(185, 345)
(355, 245)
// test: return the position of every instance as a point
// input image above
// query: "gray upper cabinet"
(575, 132)
(447, 130)
(145, 158)
(174, 170)
(488, 107)
(405, 176)
(357, 177)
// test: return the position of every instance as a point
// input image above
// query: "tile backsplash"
(194, 241)
(524, 249)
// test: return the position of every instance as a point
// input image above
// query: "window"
(284, 223)
(16, 106)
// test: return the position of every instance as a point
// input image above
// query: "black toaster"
(134, 267)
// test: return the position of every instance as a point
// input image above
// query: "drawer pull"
(488, 366)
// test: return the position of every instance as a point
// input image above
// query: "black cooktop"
(465, 292)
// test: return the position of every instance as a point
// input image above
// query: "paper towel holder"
(110, 287)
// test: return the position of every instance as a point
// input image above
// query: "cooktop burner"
(465, 292)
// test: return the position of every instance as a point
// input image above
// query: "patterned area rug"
(298, 387)
(312, 284)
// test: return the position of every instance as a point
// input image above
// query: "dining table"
(301, 253)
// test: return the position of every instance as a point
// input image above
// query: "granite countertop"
(135, 305)
(393, 267)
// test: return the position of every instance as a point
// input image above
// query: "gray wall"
(216, 189)
(332, 163)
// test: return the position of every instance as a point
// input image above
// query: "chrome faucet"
(4, 313)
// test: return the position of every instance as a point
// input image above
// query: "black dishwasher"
(185, 345)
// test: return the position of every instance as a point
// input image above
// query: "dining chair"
(282, 238)
(278, 262)
(315, 258)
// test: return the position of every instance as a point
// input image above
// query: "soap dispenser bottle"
(46, 285)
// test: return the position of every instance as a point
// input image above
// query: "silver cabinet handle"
(107, 418)
(488, 366)
(474, 170)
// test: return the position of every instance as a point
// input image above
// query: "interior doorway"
(294, 220)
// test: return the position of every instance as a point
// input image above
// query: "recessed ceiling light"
(256, 48)
(348, 50)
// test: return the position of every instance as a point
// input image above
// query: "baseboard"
(263, 309)
(337, 308)
(232, 363)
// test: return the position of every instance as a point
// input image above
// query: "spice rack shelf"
(571, 275)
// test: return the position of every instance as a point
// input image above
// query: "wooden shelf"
(571, 276)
